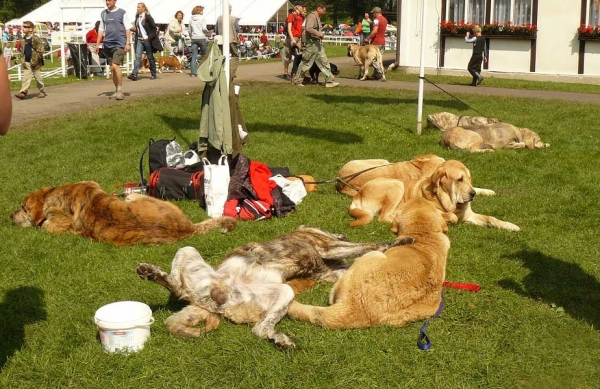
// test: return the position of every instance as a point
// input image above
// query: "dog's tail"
(226, 224)
(336, 316)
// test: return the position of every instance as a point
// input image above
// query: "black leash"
(342, 180)
(451, 95)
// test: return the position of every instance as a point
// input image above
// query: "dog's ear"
(35, 204)
(437, 189)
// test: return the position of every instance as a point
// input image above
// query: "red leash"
(462, 286)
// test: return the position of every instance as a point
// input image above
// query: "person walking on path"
(313, 51)
(115, 29)
(377, 35)
(6, 105)
(32, 59)
(145, 40)
(173, 34)
(479, 50)
(293, 40)
(366, 28)
(198, 30)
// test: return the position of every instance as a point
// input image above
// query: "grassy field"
(533, 324)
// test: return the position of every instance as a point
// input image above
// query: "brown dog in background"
(85, 209)
(449, 189)
(366, 56)
(401, 285)
(175, 63)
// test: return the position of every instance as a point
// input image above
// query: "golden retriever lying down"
(446, 120)
(357, 173)
(449, 189)
(396, 287)
(354, 174)
(486, 138)
(248, 286)
(85, 209)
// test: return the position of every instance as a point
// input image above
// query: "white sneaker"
(331, 84)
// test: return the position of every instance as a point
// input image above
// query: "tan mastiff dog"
(446, 120)
(396, 287)
(449, 189)
(486, 138)
(364, 56)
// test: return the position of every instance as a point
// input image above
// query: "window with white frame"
(469, 11)
(515, 11)
(594, 16)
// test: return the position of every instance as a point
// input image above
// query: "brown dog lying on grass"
(354, 174)
(449, 189)
(256, 282)
(85, 209)
(445, 120)
(396, 287)
(486, 138)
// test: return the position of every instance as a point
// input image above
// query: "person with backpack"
(32, 59)
(115, 29)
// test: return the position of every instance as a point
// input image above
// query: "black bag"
(158, 156)
(174, 184)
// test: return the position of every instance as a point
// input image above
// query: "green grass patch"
(533, 324)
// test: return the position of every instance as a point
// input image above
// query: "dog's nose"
(472, 193)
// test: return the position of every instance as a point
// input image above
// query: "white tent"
(250, 12)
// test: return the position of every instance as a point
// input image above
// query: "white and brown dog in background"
(175, 63)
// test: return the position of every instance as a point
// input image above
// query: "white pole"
(225, 35)
(421, 72)
(62, 41)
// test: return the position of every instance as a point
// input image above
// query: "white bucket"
(124, 326)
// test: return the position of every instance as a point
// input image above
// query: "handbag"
(174, 184)
(216, 186)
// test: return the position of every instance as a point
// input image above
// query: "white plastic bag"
(216, 186)
(293, 189)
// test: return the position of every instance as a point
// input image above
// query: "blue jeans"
(198, 48)
(140, 47)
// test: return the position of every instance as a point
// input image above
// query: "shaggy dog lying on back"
(248, 286)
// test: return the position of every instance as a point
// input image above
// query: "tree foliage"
(349, 11)
(11, 9)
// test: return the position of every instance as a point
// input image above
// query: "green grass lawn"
(533, 324)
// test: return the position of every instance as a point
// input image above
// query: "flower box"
(492, 30)
(588, 33)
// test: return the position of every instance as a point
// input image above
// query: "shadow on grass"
(177, 124)
(314, 133)
(21, 306)
(361, 100)
(558, 282)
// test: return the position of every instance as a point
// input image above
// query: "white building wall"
(557, 46)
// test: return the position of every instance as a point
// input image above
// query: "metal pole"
(226, 39)
(421, 71)
(62, 41)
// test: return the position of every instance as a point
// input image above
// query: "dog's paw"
(227, 224)
(511, 227)
(484, 192)
(149, 272)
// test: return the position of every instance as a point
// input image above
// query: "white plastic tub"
(124, 326)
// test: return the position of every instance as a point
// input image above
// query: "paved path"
(88, 95)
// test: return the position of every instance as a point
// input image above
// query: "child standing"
(479, 50)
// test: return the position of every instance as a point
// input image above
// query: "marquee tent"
(250, 12)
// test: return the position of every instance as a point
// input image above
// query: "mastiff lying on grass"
(486, 138)
(445, 120)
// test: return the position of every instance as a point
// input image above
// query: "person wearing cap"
(32, 60)
(377, 35)
(115, 29)
(313, 51)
